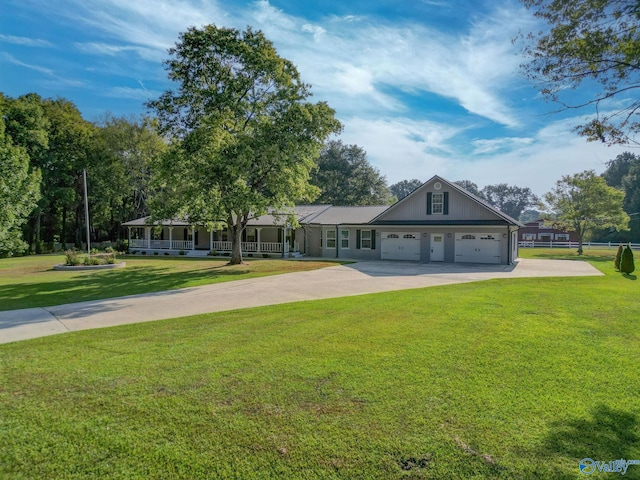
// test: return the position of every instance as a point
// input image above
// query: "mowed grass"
(517, 378)
(31, 281)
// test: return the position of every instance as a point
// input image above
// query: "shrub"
(93, 251)
(155, 253)
(616, 261)
(143, 252)
(166, 253)
(626, 262)
(72, 257)
(122, 246)
(89, 260)
(181, 252)
(109, 250)
(265, 255)
(213, 253)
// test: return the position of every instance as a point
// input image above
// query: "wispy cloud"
(100, 48)
(491, 146)
(339, 55)
(25, 41)
(11, 59)
(141, 94)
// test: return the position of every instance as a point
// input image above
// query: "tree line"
(51, 144)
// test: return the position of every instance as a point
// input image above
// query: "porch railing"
(266, 247)
(161, 244)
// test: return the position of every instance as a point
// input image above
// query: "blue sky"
(424, 86)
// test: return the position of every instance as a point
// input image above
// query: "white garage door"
(400, 246)
(478, 247)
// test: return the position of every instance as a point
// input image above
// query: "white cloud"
(141, 94)
(11, 59)
(25, 41)
(490, 146)
(114, 50)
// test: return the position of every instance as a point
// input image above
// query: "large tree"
(244, 137)
(584, 202)
(510, 199)
(595, 43)
(345, 177)
(623, 172)
(121, 171)
(19, 192)
(404, 187)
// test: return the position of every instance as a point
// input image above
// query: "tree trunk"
(579, 244)
(236, 245)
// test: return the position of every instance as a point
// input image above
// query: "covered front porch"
(180, 239)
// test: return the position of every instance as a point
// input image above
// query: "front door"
(437, 247)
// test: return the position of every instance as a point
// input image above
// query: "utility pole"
(86, 211)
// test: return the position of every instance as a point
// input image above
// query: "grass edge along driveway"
(27, 282)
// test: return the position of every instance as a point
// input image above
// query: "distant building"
(539, 231)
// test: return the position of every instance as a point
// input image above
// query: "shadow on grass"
(608, 434)
(630, 277)
(108, 284)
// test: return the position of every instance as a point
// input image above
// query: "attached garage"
(478, 248)
(400, 246)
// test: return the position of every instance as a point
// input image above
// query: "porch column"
(170, 237)
(258, 238)
(129, 237)
(211, 240)
(193, 238)
(284, 241)
(147, 234)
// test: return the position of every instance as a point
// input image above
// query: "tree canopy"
(623, 173)
(345, 177)
(404, 187)
(19, 192)
(470, 187)
(244, 137)
(510, 199)
(584, 202)
(594, 43)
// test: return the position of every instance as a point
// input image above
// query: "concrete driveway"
(339, 281)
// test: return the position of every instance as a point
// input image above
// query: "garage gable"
(440, 202)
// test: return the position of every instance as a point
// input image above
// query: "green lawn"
(517, 378)
(31, 281)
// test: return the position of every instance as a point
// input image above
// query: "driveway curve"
(339, 281)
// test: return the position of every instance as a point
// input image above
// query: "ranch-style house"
(438, 222)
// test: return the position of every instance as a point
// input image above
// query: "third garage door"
(478, 247)
(400, 246)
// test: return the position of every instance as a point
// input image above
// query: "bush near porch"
(517, 378)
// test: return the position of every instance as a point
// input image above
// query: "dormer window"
(438, 203)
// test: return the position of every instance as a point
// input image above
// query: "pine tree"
(626, 263)
(616, 261)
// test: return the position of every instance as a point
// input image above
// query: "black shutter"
(357, 239)
(445, 207)
(429, 195)
(373, 239)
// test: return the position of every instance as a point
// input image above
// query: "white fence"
(585, 245)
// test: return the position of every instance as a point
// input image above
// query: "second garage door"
(478, 247)
(400, 246)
